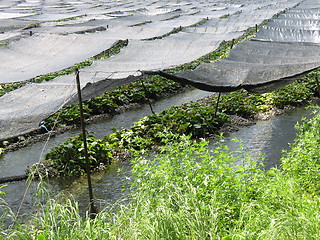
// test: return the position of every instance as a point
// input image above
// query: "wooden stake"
(217, 105)
(232, 43)
(146, 91)
(92, 208)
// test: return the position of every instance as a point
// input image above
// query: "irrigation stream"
(268, 138)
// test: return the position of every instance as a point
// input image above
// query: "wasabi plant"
(67, 159)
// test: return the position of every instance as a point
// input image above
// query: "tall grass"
(188, 191)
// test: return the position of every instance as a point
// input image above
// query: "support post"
(92, 208)
(148, 100)
(232, 43)
(217, 105)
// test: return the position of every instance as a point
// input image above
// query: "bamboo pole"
(92, 208)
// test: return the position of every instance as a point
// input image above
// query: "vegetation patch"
(109, 102)
(141, 24)
(29, 26)
(68, 158)
(191, 191)
(198, 120)
(247, 105)
(8, 87)
(174, 31)
(194, 119)
(303, 161)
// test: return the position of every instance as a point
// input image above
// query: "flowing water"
(15, 163)
(268, 138)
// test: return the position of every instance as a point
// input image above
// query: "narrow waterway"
(267, 138)
(265, 141)
(15, 163)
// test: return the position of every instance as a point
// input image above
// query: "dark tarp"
(253, 65)
(284, 50)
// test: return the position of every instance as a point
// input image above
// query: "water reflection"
(269, 138)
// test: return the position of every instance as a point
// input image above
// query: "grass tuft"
(191, 191)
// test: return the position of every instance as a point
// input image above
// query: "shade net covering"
(284, 50)
(23, 109)
(42, 54)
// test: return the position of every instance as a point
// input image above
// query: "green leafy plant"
(303, 161)
(4, 88)
(69, 116)
(294, 94)
(68, 158)
(154, 88)
(189, 190)
(239, 102)
(194, 119)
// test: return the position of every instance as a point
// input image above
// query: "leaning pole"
(92, 208)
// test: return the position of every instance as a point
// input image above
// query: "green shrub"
(240, 103)
(101, 105)
(303, 161)
(191, 118)
(69, 115)
(194, 119)
(192, 191)
(68, 158)
(294, 94)
(188, 178)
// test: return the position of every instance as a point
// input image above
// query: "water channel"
(268, 138)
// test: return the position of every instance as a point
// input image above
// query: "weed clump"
(189, 190)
